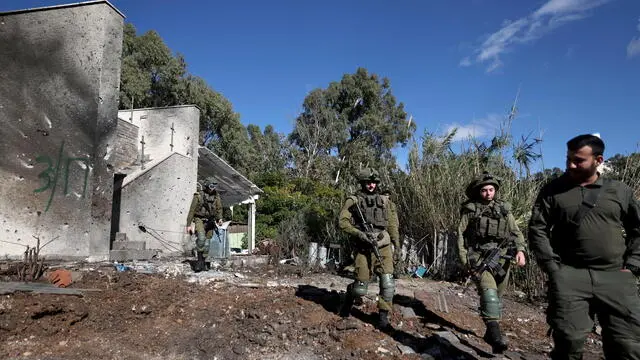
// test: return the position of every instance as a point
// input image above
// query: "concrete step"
(129, 245)
(126, 255)
(120, 236)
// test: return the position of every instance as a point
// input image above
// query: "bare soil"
(261, 313)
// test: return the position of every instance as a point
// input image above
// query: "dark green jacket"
(599, 242)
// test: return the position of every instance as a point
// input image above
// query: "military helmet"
(210, 183)
(484, 179)
(368, 175)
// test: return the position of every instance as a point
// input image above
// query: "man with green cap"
(585, 234)
(206, 213)
(370, 218)
(485, 223)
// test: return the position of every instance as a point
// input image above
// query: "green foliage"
(352, 123)
(315, 203)
(625, 168)
(153, 77)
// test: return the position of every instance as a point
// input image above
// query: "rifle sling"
(588, 202)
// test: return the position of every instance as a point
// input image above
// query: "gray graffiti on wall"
(54, 171)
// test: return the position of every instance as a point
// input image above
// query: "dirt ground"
(264, 312)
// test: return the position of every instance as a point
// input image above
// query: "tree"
(152, 77)
(269, 148)
(317, 130)
(357, 119)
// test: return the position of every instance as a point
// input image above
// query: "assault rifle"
(490, 261)
(368, 229)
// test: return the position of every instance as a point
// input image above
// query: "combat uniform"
(205, 211)
(482, 227)
(380, 213)
(577, 234)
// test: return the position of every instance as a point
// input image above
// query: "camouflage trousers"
(490, 289)
(367, 264)
(575, 295)
(203, 233)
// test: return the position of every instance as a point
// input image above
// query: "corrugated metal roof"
(234, 188)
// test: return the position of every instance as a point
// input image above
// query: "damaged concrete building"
(84, 178)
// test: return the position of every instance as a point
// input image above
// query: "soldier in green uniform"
(206, 213)
(585, 234)
(379, 213)
(485, 223)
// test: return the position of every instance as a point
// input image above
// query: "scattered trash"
(519, 294)
(122, 267)
(60, 278)
(420, 271)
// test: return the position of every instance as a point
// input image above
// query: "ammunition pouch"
(381, 238)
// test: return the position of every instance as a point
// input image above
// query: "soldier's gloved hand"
(363, 236)
(397, 255)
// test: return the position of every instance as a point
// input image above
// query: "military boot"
(494, 337)
(383, 320)
(345, 310)
(199, 265)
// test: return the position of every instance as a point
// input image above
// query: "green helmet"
(210, 183)
(484, 179)
(368, 175)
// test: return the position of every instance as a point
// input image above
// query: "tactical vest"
(206, 203)
(374, 209)
(486, 223)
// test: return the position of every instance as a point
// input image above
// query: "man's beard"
(582, 174)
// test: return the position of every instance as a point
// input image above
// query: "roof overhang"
(233, 187)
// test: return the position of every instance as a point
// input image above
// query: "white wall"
(59, 79)
(159, 200)
(159, 196)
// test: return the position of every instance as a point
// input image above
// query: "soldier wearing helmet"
(379, 213)
(486, 222)
(206, 213)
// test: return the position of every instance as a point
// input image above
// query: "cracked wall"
(59, 79)
(158, 196)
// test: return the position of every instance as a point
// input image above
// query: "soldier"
(485, 223)
(206, 209)
(577, 233)
(379, 213)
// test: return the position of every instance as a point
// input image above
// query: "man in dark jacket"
(585, 234)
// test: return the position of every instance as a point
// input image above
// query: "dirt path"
(252, 314)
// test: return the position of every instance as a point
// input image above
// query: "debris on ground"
(163, 310)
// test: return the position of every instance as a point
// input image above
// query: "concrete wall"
(59, 79)
(159, 196)
(159, 200)
(155, 126)
(125, 151)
